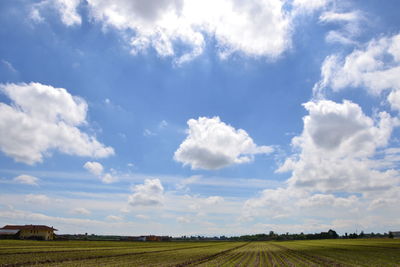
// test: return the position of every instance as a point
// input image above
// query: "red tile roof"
(28, 227)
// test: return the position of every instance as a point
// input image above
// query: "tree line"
(331, 234)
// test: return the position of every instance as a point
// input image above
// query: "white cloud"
(331, 16)
(375, 67)
(108, 178)
(182, 219)
(339, 37)
(37, 199)
(213, 200)
(328, 200)
(350, 26)
(308, 6)
(35, 15)
(81, 211)
(42, 118)
(97, 169)
(163, 124)
(211, 144)
(114, 218)
(302, 206)
(147, 132)
(205, 207)
(150, 193)
(341, 164)
(274, 203)
(337, 147)
(183, 185)
(26, 179)
(394, 99)
(255, 28)
(94, 167)
(386, 202)
(142, 217)
(67, 9)
(372, 211)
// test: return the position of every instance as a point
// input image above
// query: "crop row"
(16, 259)
(179, 258)
(311, 253)
(261, 254)
(88, 248)
(349, 253)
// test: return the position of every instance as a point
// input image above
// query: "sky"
(213, 117)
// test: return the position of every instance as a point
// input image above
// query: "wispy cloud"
(9, 66)
(26, 179)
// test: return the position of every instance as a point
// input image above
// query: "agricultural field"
(367, 252)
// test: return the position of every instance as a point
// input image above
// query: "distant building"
(396, 234)
(153, 238)
(135, 238)
(157, 238)
(8, 234)
(141, 238)
(41, 232)
(146, 238)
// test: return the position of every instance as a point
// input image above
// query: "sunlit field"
(371, 252)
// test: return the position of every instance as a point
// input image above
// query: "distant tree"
(353, 235)
(391, 235)
(332, 234)
(372, 234)
(271, 233)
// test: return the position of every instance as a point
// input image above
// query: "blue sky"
(212, 117)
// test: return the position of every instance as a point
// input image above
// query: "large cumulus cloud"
(255, 28)
(211, 144)
(337, 149)
(375, 67)
(41, 118)
(340, 163)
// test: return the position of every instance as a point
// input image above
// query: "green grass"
(366, 252)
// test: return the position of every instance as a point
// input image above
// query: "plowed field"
(378, 252)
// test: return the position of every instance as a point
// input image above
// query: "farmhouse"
(41, 232)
